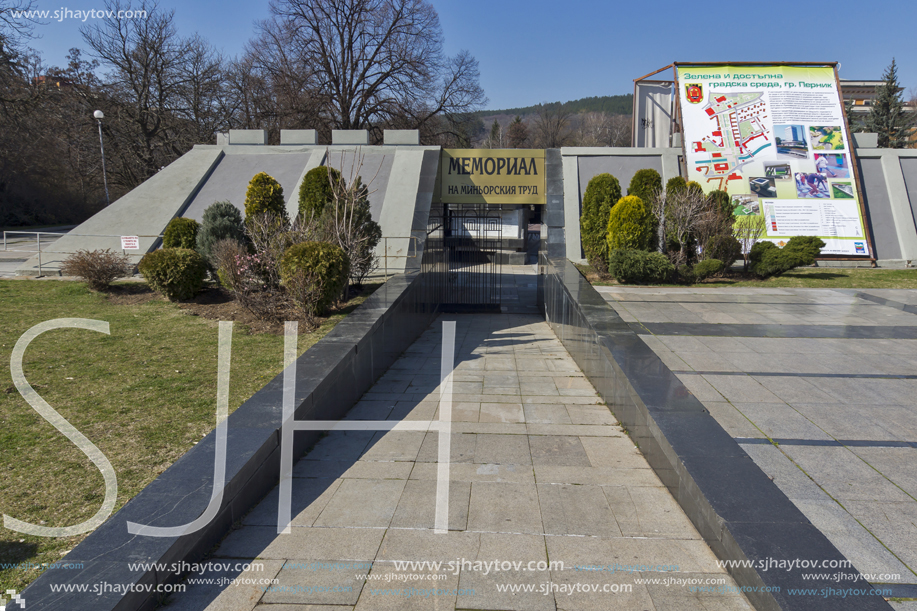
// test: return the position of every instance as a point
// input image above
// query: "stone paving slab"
(536, 476)
(841, 411)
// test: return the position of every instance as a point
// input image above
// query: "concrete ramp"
(145, 211)
(210, 173)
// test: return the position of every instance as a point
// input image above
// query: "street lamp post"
(99, 115)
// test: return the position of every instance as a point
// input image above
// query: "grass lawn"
(144, 395)
(806, 277)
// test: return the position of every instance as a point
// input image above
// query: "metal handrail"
(38, 235)
(413, 245)
(412, 241)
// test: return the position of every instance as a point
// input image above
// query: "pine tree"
(888, 116)
(517, 133)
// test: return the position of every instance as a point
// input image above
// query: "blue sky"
(537, 50)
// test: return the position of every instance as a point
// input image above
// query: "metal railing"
(413, 247)
(38, 244)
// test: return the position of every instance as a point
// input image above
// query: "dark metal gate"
(461, 260)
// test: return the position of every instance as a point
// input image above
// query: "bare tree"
(685, 211)
(348, 222)
(552, 126)
(375, 61)
(163, 92)
(749, 230)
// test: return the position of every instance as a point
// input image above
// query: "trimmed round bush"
(691, 184)
(264, 194)
(180, 233)
(316, 192)
(707, 268)
(602, 193)
(315, 273)
(176, 273)
(631, 266)
(676, 184)
(645, 184)
(222, 221)
(630, 225)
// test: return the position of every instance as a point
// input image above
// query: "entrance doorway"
(462, 257)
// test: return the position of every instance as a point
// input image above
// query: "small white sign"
(130, 242)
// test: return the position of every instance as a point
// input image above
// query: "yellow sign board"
(493, 176)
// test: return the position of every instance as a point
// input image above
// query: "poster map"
(774, 138)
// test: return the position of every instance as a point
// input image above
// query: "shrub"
(177, 273)
(99, 268)
(347, 222)
(314, 274)
(630, 266)
(630, 225)
(316, 191)
(180, 233)
(707, 268)
(724, 247)
(602, 193)
(676, 184)
(722, 201)
(692, 185)
(222, 221)
(768, 260)
(644, 184)
(264, 194)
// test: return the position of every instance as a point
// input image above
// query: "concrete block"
(401, 136)
(222, 139)
(350, 136)
(248, 136)
(298, 136)
(865, 141)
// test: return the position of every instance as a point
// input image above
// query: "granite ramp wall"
(739, 511)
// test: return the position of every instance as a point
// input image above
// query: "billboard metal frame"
(852, 149)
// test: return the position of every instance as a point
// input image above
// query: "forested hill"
(610, 104)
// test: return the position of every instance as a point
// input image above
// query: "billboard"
(775, 138)
(493, 176)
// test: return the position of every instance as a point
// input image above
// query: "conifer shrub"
(222, 221)
(676, 184)
(691, 184)
(264, 194)
(645, 184)
(630, 224)
(724, 247)
(722, 201)
(767, 259)
(631, 266)
(707, 268)
(316, 191)
(176, 273)
(180, 233)
(602, 193)
(314, 275)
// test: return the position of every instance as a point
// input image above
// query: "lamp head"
(99, 115)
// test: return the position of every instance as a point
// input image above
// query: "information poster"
(774, 139)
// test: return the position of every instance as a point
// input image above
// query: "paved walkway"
(819, 388)
(541, 472)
